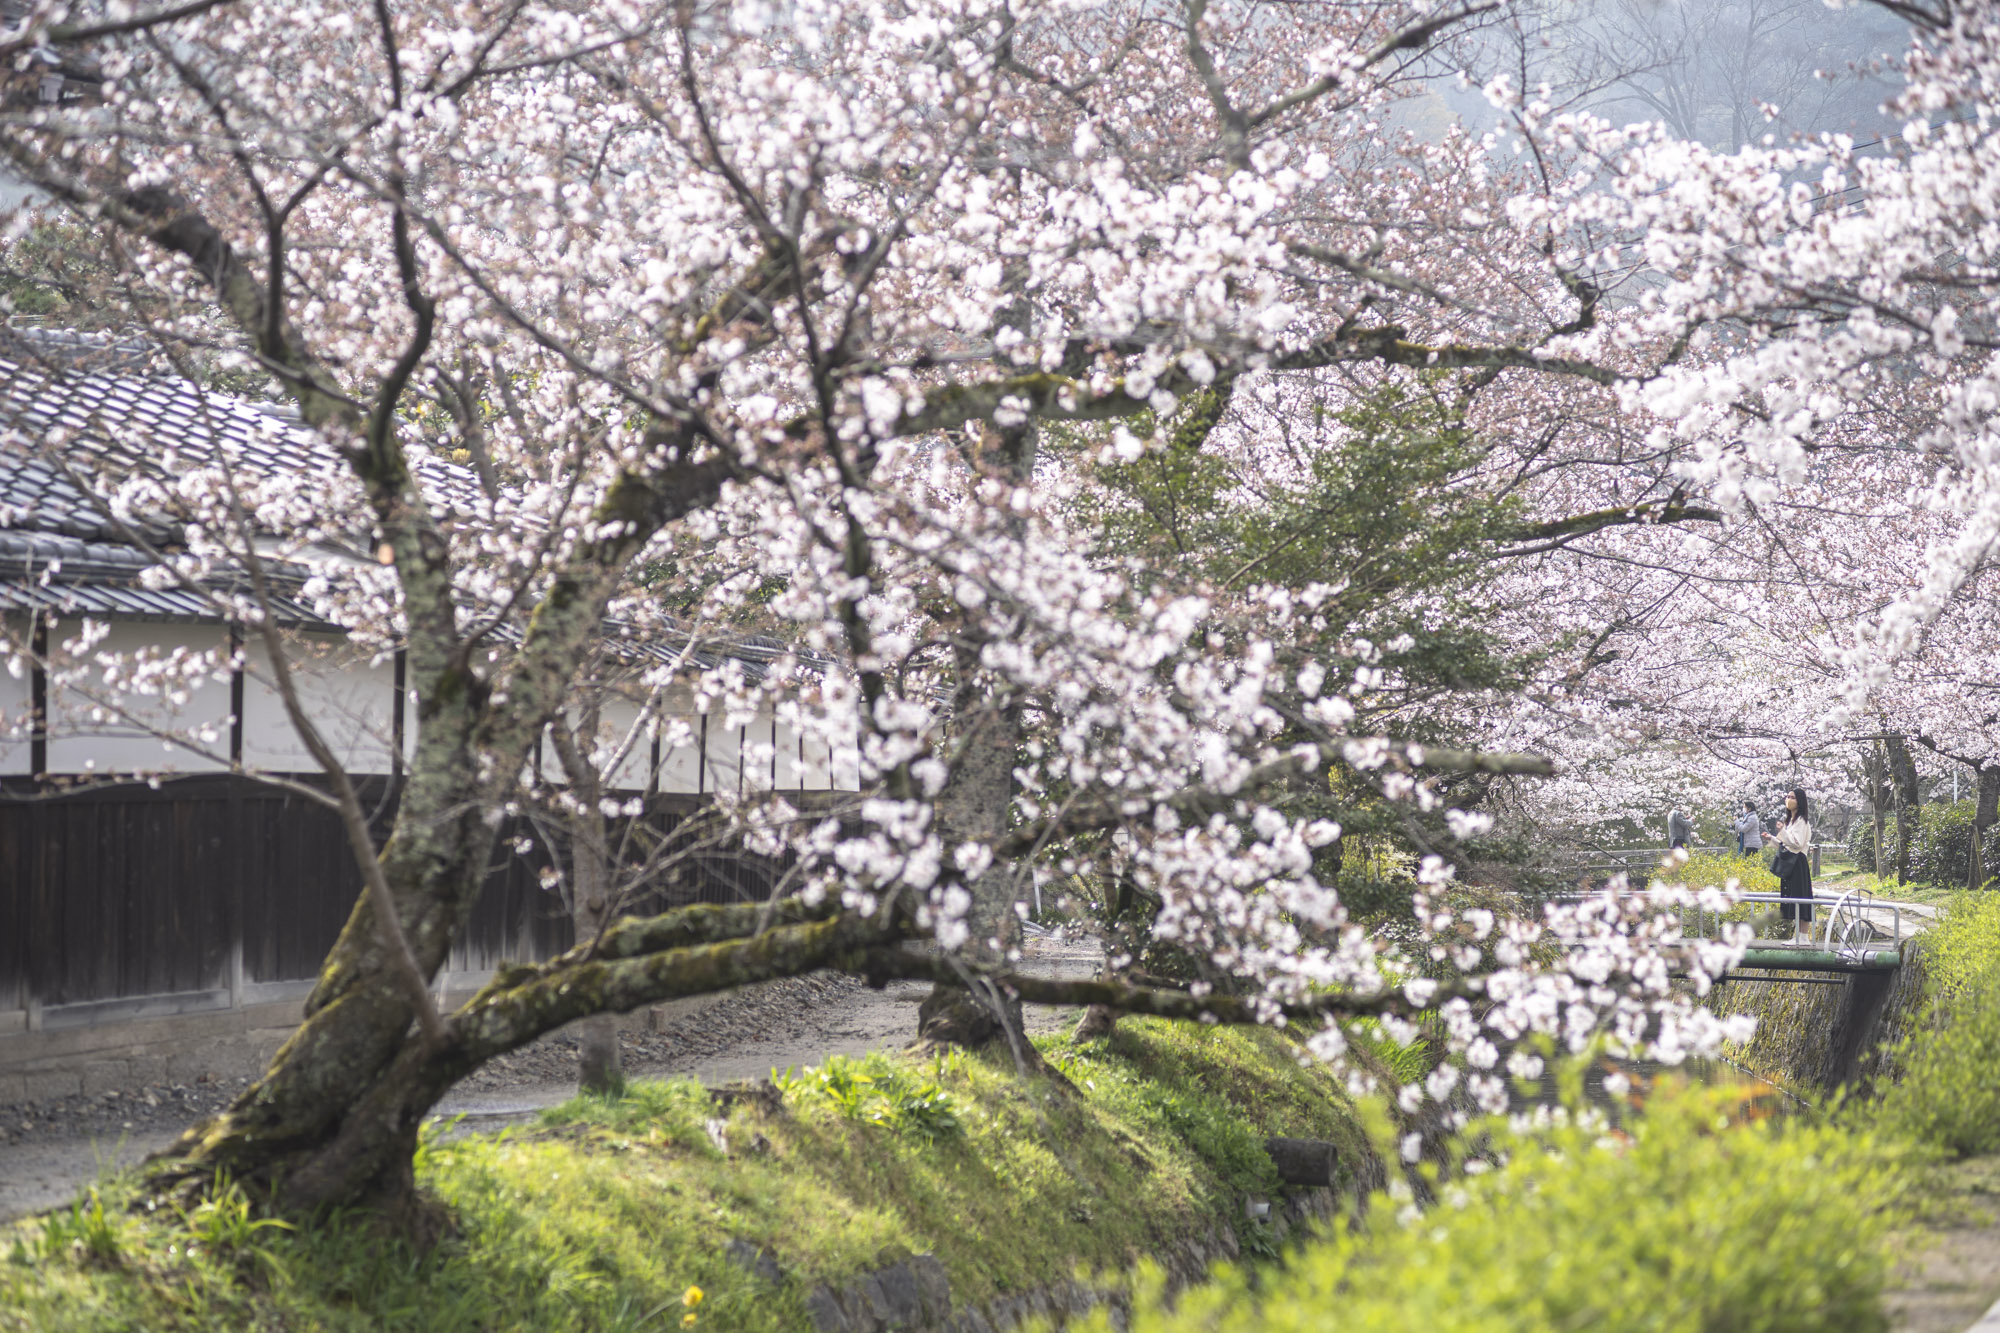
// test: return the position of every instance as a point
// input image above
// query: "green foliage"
(224, 1225)
(604, 1214)
(1716, 869)
(1689, 1220)
(1947, 1096)
(1963, 946)
(1861, 844)
(1940, 845)
(1406, 1064)
(879, 1091)
(86, 1230)
(670, 1112)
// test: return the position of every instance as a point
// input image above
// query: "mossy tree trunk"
(1909, 798)
(1984, 815)
(977, 799)
(590, 893)
(1877, 800)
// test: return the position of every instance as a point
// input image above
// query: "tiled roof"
(59, 551)
(124, 424)
(49, 572)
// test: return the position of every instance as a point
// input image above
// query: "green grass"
(607, 1213)
(1697, 1219)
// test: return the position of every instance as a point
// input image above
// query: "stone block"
(104, 1076)
(1304, 1161)
(902, 1298)
(42, 1084)
(758, 1260)
(825, 1311)
(935, 1285)
(869, 1305)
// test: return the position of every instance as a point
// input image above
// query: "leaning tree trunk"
(325, 1118)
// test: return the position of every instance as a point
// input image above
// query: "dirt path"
(1948, 1278)
(49, 1152)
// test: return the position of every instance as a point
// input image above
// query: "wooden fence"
(216, 891)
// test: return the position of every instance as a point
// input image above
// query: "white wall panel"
(760, 758)
(615, 723)
(15, 694)
(817, 771)
(130, 736)
(846, 765)
(724, 769)
(790, 770)
(350, 699)
(680, 747)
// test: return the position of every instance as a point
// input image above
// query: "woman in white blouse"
(1793, 864)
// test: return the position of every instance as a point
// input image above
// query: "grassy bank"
(1700, 1215)
(1703, 1211)
(612, 1213)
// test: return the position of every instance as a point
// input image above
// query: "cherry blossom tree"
(836, 311)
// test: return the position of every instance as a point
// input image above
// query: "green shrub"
(1861, 845)
(1947, 1096)
(881, 1092)
(1715, 870)
(1940, 845)
(1692, 1221)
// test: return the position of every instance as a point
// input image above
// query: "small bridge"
(1853, 932)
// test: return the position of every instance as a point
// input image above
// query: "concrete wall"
(192, 1047)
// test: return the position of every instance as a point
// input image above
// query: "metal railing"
(1845, 926)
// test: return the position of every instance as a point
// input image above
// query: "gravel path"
(49, 1150)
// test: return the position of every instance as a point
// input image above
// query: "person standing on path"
(1679, 831)
(1749, 831)
(1793, 864)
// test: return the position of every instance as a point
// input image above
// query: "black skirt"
(1794, 874)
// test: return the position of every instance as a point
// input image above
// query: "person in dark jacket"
(1679, 830)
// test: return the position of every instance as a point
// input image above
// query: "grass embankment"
(608, 1213)
(1699, 1215)
(1696, 1215)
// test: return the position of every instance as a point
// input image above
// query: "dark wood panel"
(131, 890)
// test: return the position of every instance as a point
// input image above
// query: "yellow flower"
(691, 1297)
(687, 1320)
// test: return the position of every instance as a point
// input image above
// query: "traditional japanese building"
(148, 864)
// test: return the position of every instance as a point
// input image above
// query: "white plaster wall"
(87, 737)
(350, 699)
(616, 718)
(725, 757)
(680, 756)
(790, 771)
(15, 694)
(817, 771)
(760, 757)
(847, 765)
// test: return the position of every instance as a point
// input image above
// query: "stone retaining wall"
(912, 1293)
(204, 1047)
